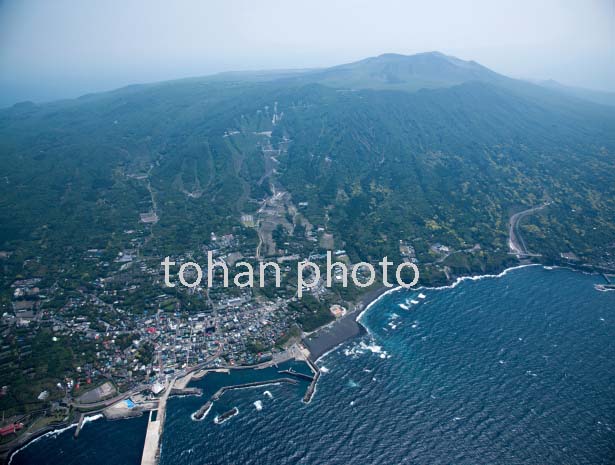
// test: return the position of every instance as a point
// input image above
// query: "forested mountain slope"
(445, 165)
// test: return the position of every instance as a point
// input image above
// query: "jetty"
(296, 374)
(312, 387)
(188, 391)
(178, 386)
(200, 374)
(79, 425)
(200, 413)
(610, 282)
(151, 448)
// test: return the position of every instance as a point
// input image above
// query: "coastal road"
(516, 243)
(142, 387)
(111, 401)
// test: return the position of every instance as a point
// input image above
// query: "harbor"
(340, 404)
(200, 414)
(312, 387)
(609, 284)
(178, 386)
(151, 399)
(151, 448)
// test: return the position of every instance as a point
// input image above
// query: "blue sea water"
(100, 442)
(518, 369)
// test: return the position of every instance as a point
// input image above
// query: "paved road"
(112, 400)
(515, 240)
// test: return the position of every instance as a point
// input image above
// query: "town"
(92, 327)
(302, 266)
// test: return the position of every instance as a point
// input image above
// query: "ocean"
(518, 369)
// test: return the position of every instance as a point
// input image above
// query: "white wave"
(268, 394)
(324, 369)
(92, 418)
(56, 432)
(479, 277)
(373, 348)
(50, 434)
(349, 352)
(362, 348)
(354, 351)
(374, 302)
(601, 288)
(189, 451)
(438, 288)
(258, 405)
(333, 349)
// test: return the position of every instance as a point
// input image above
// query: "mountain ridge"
(405, 72)
(387, 71)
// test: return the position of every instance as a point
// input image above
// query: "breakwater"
(312, 387)
(189, 391)
(201, 412)
(296, 374)
(475, 355)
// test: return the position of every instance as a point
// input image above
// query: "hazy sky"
(64, 48)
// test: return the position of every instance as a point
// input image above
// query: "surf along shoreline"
(51, 430)
(328, 338)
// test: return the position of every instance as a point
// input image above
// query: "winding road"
(516, 243)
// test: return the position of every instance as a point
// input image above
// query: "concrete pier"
(222, 390)
(188, 391)
(312, 387)
(296, 374)
(152, 438)
(79, 425)
(198, 415)
(151, 448)
(201, 373)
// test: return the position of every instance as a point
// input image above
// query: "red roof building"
(10, 429)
